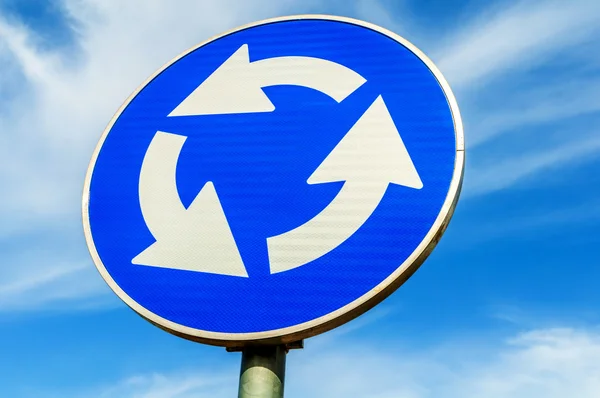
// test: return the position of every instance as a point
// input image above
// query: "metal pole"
(262, 372)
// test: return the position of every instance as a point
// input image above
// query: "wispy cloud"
(548, 362)
(514, 169)
(498, 64)
(58, 285)
(380, 13)
(538, 106)
(61, 103)
(70, 283)
(536, 225)
(185, 383)
(515, 38)
(552, 363)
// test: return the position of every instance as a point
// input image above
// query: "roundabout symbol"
(368, 158)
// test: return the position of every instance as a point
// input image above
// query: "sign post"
(273, 183)
(262, 373)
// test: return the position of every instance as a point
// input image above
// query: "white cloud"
(501, 55)
(74, 284)
(537, 225)
(551, 363)
(516, 168)
(65, 99)
(513, 38)
(540, 363)
(377, 12)
(538, 106)
(180, 384)
(188, 385)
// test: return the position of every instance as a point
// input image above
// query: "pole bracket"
(294, 345)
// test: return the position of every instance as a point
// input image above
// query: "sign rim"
(341, 315)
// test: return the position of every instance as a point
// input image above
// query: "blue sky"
(506, 306)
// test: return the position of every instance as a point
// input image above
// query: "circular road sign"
(275, 181)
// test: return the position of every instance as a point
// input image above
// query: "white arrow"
(236, 86)
(370, 157)
(195, 239)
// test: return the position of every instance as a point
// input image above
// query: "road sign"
(276, 181)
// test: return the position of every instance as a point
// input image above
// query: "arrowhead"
(234, 87)
(372, 151)
(202, 242)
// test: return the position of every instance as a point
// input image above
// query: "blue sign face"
(275, 182)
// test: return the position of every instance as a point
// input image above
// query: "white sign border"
(341, 315)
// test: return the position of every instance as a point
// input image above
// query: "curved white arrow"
(370, 157)
(195, 239)
(236, 86)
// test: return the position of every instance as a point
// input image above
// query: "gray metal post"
(262, 372)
